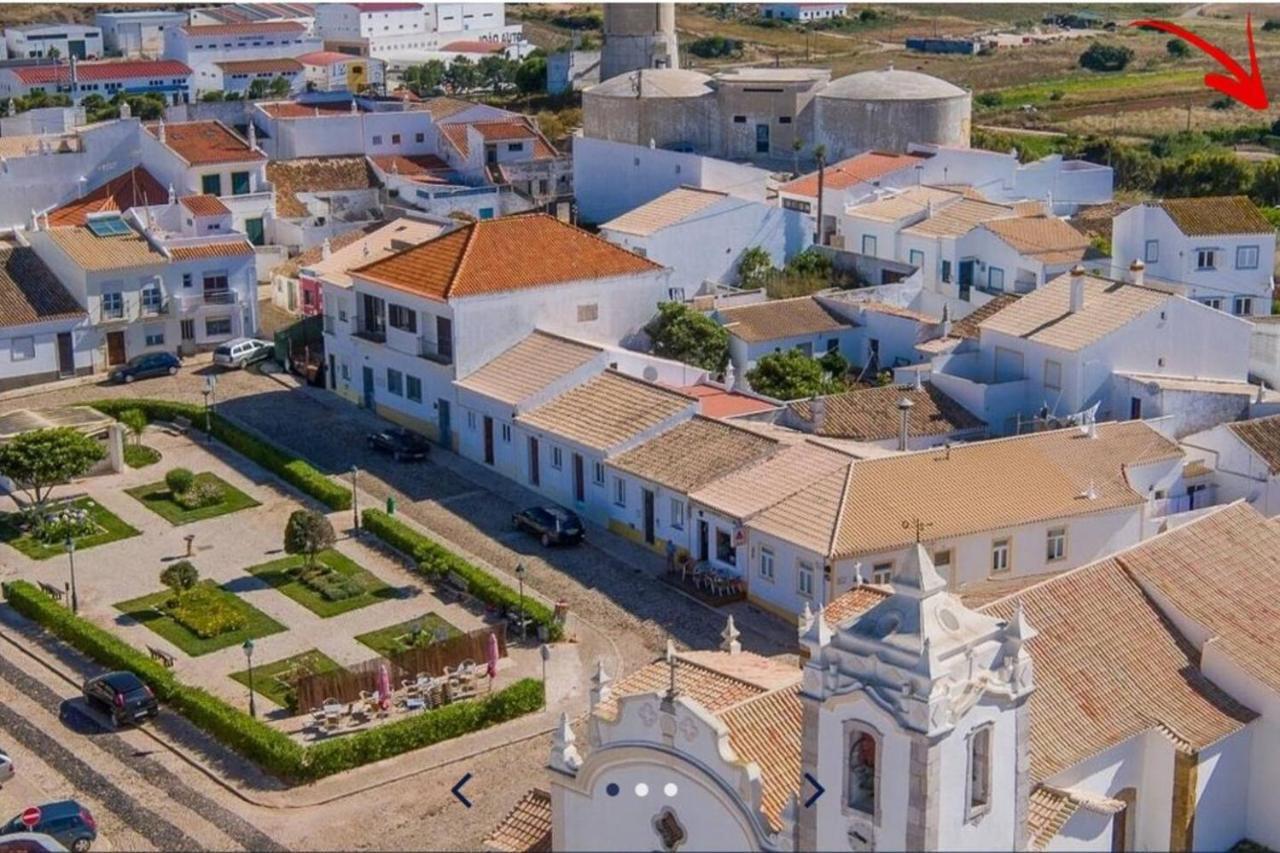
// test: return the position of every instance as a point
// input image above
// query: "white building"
(1018, 255)
(1241, 461)
(81, 41)
(169, 78)
(330, 71)
(410, 31)
(239, 75)
(203, 46)
(802, 12)
(137, 33)
(43, 329)
(804, 323)
(891, 417)
(1220, 249)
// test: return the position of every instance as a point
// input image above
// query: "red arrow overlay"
(1245, 88)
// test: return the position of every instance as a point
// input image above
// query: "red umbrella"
(384, 687)
(493, 656)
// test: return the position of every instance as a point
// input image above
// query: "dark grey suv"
(123, 696)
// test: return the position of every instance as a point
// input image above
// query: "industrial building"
(638, 36)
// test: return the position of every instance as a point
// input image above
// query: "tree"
(180, 576)
(790, 375)
(1105, 57)
(1265, 189)
(308, 533)
(495, 71)
(461, 75)
(39, 460)
(213, 97)
(1206, 174)
(1177, 48)
(680, 333)
(425, 79)
(53, 53)
(279, 87)
(810, 262)
(135, 421)
(754, 267)
(257, 89)
(531, 76)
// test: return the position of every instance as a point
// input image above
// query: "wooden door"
(488, 440)
(535, 469)
(648, 517)
(115, 348)
(579, 480)
(66, 355)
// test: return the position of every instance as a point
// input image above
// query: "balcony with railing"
(132, 308)
(191, 300)
(439, 351)
(1201, 499)
(372, 332)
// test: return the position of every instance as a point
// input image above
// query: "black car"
(402, 444)
(123, 696)
(147, 365)
(552, 524)
(66, 821)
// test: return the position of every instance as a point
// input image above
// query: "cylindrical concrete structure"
(667, 107)
(887, 110)
(638, 35)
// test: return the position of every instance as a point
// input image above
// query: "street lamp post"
(544, 651)
(355, 500)
(70, 545)
(248, 655)
(210, 382)
(523, 627)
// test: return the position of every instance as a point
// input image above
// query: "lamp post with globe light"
(248, 656)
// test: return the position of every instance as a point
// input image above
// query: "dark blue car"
(147, 365)
(66, 821)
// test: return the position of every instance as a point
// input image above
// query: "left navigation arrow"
(456, 790)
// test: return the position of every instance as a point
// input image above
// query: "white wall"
(1239, 473)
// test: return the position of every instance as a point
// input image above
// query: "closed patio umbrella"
(384, 687)
(492, 668)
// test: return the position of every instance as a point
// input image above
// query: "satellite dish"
(651, 374)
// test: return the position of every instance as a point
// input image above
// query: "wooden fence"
(345, 685)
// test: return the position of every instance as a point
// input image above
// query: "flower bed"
(140, 456)
(209, 497)
(276, 680)
(323, 597)
(396, 639)
(88, 522)
(202, 620)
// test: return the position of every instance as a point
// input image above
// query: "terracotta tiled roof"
(694, 453)
(704, 680)
(203, 143)
(383, 241)
(1048, 811)
(315, 175)
(978, 594)
(781, 318)
(133, 188)
(967, 326)
(1234, 214)
(716, 402)
(245, 29)
(1044, 238)
(1095, 220)
(854, 603)
(1044, 315)
(422, 168)
(260, 66)
(526, 828)
(89, 72)
(1196, 468)
(664, 211)
(872, 414)
(959, 218)
(315, 254)
(1110, 665)
(530, 367)
(1262, 435)
(29, 292)
(330, 57)
(105, 253)
(499, 130)
(223, 249)
(473, 46)
(910, 202)
(293, 109)
(204, 205)
(444, 107)
(744, 493)
(855, 170)
(607, 410)
(768, 731)
(499, 255)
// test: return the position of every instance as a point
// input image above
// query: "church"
(1129, 704)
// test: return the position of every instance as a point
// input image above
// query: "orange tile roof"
(1044, 238)
(421, 168)
(718, 403)
(30, 292)
(293, 109)
(1262, 435)
(472, 46)
(1197, 217)
(260, 66)
(499, 255)
(871, 414)
(204, 205)
(133, 188)
(265, 27)
(526, 828)
(329, 57)
(854, 603)
(776, 319)
(768, 730)
(87, 72)
(498, 131)
(228, 249)
(203, 143)
(858, 169)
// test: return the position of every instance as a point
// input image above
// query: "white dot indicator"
(642, 790)
(670, 789)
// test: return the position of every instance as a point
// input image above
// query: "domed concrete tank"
(669, 107)
(638, 35)
(887, 110)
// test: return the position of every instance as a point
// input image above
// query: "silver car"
(6, 767)
(242, 352)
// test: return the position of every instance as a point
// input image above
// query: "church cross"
(919, 527)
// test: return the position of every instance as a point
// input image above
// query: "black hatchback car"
(402, 444)
(123, 696)
(66, 821)
(552, 524)
(147, 365)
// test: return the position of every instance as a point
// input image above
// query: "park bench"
(52, 591)
(181, 424)
(458, 582)
(162, 656)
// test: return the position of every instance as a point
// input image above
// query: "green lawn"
(275, 680)
(396, 638)
(140, 456)
(277, 574)
(110, 529)
(157, 498)
(147, 610)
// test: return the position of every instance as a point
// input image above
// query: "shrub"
(436, 562)
(712, 47)
(683, 334)
(206, 612)
(308, 533)
(202, 494)
(1177, 48)
(179, 481)
(140, 456)
(59, 525)
(989, 99)
(332, 585)
(1105, 57)
(135, 421)
(180, 576)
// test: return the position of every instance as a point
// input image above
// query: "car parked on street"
(68, 822)
(242, 352)
(403, 445)
(122, 695)
(30, 842)
(147, 365)
(6, 767)
(553, 525)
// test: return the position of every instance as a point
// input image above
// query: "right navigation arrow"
(818, 790)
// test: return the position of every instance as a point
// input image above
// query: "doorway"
(366, 376)
(333, 373)
(1135, 408)
(1122, 822)
(535, 470)
(704, 535)
(966, 279)
(762, 139)
(115, 348)
(648, 516)
(446, 428)
(66, 355)
(579, 480)
(488, 440)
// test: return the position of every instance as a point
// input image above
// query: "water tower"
(636, 36)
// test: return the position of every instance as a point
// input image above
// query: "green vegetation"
(276, 680)
(37, 461)
(284, 465)
(680, 333)
(207, 496)
(791, 375)
(436, 562)
(180, 577)
(1177, 48)
(715, 47)
(422, 631)
(276, 87)
(88, 523)
(1100, 56)
(140, 456)
(334, 585)
(1112, 86)
(307, 534)
(754, 268)
(270, 748)
(201, 620)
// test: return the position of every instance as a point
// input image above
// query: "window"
(239, 183)
(22, 349)
(471, 420)
(784, 119)
(211, 184)
(999, 556)
(153, 336)
(402, 318)
(346, 372)
(597, 473)
(979, 780)
(766, 563)
(217, 327)
(395, 139)
(833, 344)
(942, 562)
(589, 313)
(1243, 305)
(1206, 259)
(995, 278)
(677, 514)
(112, 305)
(725, 551)
(152, 299)
(1246, 257)
(413, 388)
(419, 137)
(186, 279)
(882, 573)
(619, 491)
(946, 271)
(1152, 253)
(515, 146)
(739, 119)
(557, 458)
(506, 433)
(342, 312)
(377, 139)
(1052, 374)
(864, 752)
(1214, 302)
(395, 382)
(1056, 544)
(869, 245)
(915, 257)
(804, 579)
(796, 204)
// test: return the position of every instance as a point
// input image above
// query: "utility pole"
(820, 154)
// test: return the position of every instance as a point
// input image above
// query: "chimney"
(325, 249)
(173, 194)
(945, 331)
(1076, 305)
(253, 136)
(1137, 272)
(904, 422)
(35, 220)
(160, 132)
(126, 111)
(817, 413)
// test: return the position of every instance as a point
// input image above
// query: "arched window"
(863, 754)
(979, 771)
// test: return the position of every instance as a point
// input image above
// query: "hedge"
(289, 468)
(437, 562)
(267, 747)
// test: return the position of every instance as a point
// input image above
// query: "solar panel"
(108, 226)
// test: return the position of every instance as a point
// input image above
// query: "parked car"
(70, 824)
(147, 365)
(242, 352)
(402, 444)
(123, 696)
(6, 767)
(30, 842)
(554, 525)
